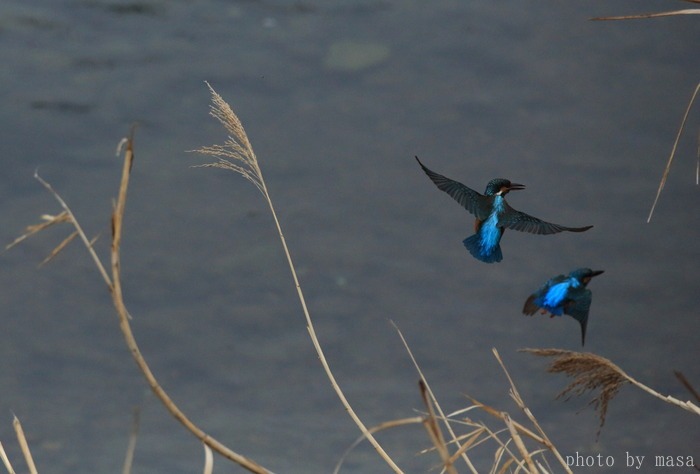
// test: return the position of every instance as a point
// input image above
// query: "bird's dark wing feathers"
(578, 308)
(530, 307)
(471, 200)
(517, 220)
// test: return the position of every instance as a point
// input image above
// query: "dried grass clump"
(457, 436)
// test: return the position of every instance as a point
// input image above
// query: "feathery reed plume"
(593, 373)
(237, 154)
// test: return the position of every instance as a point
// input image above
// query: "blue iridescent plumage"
(493, 215)
(565, 294)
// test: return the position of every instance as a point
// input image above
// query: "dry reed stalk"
(688, 11)
(691, 11)
(434, 432)
(6, 460)
(131, 447)
(673, 153)
(592, 372)
(519, 443)
(237, 155)
(24, 446)
(118, 300)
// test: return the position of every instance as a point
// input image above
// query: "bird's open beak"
(597, 272)
(516, 187)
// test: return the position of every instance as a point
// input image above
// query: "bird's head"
(501, 187)
(584, 275)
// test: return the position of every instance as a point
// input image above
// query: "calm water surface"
(337, 98)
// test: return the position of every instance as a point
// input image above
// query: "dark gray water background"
(337, 97)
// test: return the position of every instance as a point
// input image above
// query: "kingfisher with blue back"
(493, 215)
(565, 294)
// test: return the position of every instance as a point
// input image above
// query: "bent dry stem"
(115, 288)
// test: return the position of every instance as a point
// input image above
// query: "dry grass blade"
(208, 460)
(81, 233)
(131, 447)
(516, 396)
(519, 443)
(24, 445)
(521, 429)
(673, 153)
(593, 373)
(684, 381)
(434, 431)
(6, 460)
(690, 11)
(59, 248)
(239, 149)
(48, 221)
(375, 429)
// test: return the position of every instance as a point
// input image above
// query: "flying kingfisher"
(565, 294)
(493, 215)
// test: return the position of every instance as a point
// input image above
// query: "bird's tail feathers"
(473, 244)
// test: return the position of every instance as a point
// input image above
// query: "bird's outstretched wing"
(471, 200)
(517, 220)
(578, 309)
(530, 306)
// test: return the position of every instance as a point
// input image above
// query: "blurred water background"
(337, 97)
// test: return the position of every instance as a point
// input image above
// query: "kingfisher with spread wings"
(493, 215)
